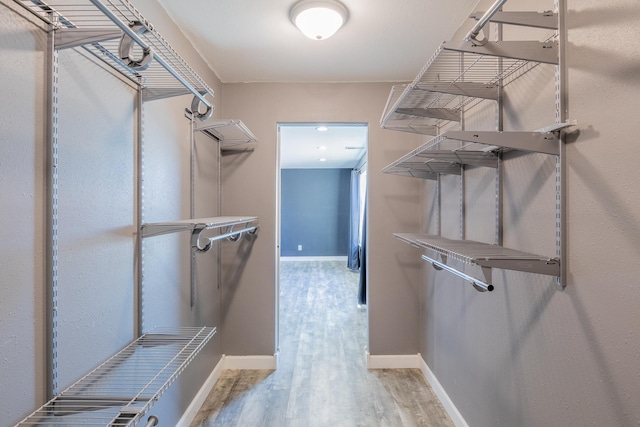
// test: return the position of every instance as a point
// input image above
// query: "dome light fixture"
(319, 19)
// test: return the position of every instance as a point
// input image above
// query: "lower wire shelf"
(482, 254)
(122, 390)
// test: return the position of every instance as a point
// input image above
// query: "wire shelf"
(229, 132)
(158, 228)
(483, 254)
(122, 390)
(443, 155)
(453, 78)
(168, 74)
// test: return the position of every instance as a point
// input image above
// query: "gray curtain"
(362, 288)
(353, 251)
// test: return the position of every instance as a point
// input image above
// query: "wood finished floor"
(322, 379)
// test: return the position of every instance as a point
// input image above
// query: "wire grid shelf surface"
(445, 68)
(121, 391)
(443, 155)
(229, 132)
(157, 228)
(86, 15)
(467, 251)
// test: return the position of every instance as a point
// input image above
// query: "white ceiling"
(341, 145)
(255, 41)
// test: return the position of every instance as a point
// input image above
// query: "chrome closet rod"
(124, 27)
(152, 421)
(477, 284)
(233, 233)
(473, 33)
(195, 237)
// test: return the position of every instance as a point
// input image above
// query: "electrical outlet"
(299, 247)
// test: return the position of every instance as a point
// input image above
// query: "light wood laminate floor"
(322, 379)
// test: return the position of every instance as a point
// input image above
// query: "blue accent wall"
(314, 212)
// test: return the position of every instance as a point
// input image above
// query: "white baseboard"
(448, 405)
(201, 396)
(251, 362)
(396, 361)
(313, 258)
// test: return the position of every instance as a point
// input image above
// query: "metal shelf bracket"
(544, 52)
(450, 114)
(547, 19)
(469, 89)
(74, 37)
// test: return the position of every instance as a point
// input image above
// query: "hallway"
(322, 379)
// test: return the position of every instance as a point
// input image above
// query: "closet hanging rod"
(477, 284)
(129, 32)
(195, 237)
(152, 421)
(473, 33)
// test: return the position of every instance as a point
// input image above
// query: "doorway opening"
(321, 231)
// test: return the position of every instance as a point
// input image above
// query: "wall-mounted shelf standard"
(458, 73)
(116, 33)
(122, 390)
(229, 132)
(482, 254)
(445, 154)
(226, 224)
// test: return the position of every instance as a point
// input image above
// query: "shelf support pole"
(562, 104)
(51, 183)
(192, 208)
(139, 327)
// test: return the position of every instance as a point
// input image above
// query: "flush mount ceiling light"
(319, 19)
(322, 128)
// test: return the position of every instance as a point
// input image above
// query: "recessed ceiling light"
(349, 147)
(322, 148)
(322, 128)
(323, 159)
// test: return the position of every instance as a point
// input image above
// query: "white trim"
(197, 402)
(446, 401)
(313, 258)
(396, 361)
(251, 362)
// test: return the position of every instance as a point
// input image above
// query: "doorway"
(321, 192)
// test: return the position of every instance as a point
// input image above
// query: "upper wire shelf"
(115, 32)
(446, 153)
(458, 73)
(122, 390)
(229, 132)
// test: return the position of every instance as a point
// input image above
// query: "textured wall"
(249, 187)
(95, 216)
(314, 212)
(22, 217)
(528, 354)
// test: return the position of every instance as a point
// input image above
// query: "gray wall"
(96, 217)
(249, 187)
(314, 208)
(528, 354)
(22, 383)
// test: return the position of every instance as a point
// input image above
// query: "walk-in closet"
(140, 245)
